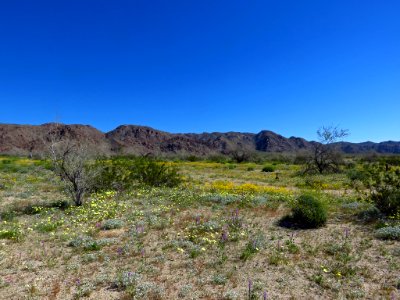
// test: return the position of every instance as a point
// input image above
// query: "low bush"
(307, 212)
(223, 199)
(112, 224)
(268, 168)
(89, 244)
(13, 232)
(253, 246)
(369, 215)
(389, 233)
(354, 174)
(127, 279)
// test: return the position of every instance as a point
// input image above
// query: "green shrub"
(192, 158)
(369, 215)
(112, 224)
(89, 244)
(127, 279)
(223, 199)
(115, 174)
(122, 173)
(389, 233)
(149, 290)
(47, 226)
(384, 186)
(307, 212)
(12, 233)
(220, 279)
(268, 168)
(354, 174)
(86, 243)
(253, 246)
(84, 290)
(149, 172)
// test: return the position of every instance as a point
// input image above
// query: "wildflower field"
(216, 236)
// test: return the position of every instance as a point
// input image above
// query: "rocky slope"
(132, 139)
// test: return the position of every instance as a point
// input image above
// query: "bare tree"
(325, 158)
(72, 164)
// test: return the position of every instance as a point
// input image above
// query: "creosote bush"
(123, 173)
(384, 185)
(268, 168)
(307, 212)
(149, 172)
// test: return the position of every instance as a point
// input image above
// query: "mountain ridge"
(137, 139)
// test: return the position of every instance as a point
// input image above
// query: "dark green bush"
(268, 168)
(192, 158)
(354, 174)
(384, 185)
(307, 212)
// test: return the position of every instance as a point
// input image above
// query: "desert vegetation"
(219, 228)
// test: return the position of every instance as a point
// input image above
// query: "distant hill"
(388, 147)
(133, 139)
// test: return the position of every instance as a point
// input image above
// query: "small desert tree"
(325, 158)
(240, 156)
(71, 162)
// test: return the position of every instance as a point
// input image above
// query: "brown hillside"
(133, 139)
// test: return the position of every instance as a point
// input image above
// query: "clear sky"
(195, 66)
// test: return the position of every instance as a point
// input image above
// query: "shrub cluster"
(384, 185)
(388, 233)
(149, 172)
(122, 173)
(87, 243)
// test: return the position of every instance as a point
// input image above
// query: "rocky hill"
(132, 139)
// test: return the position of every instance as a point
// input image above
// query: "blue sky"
(195, 66)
